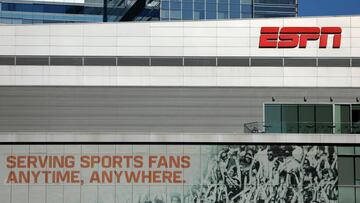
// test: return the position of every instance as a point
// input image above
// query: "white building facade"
(202, 108)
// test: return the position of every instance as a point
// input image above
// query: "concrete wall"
(148, 109)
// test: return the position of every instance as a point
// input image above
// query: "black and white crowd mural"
(169, 174)
(269, 174)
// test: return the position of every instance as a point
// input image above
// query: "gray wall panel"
(145, 109)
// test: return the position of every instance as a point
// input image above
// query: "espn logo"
(291, 37)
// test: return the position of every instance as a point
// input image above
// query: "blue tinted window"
(246, 15)
(175, 5)
(187, 14)
(165, 5)
(199, 6)
(187, 5)
(246, 8)
(175, 14)
(165, 14)
(223, 15)
(272, 8)
(223, 7)
(210, 14)
(46, 8)
(187, 11)
(275, 1)
(234, 10)
(199, 15)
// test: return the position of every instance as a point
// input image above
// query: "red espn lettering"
(291, 37)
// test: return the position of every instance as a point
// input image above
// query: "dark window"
(289, 118)
(99, 61)
(166, 61)
(273, 118)
(356, 62)
(346, 170)
(233, 61)
(200, 61)
(32, 60)
(234, 10)
(165, 5)
(339, 62)
(133, 61)
(355, 114)
(65, 61)
(7, 60)
(324, 121)
(266, 62)
(357, 174)
(301, 62)
(294, 118)
(306, 118)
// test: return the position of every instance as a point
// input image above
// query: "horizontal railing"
(303, 127)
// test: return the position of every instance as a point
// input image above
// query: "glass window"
(355, 114)
(234, 10)
(306, 118)
(165, 14)
(358, 195)
(32, 60)
(275, 1)
(187, 10)
(228, 61)
(175, 14)
(246, 8)
(199, 6)
(100, 61)
(345, 150)
(303, 118)
(223, 15)
(211, 11)
(289, 118)
(274, 9)
(223, 7)
(133, 61)
(65, 61)
(355, 62)
(357, 171)
(174, 5)
(266, 62)
(199, 62)
(7, 60)
(300, 62)
(334, 62)
(346, 194)
(199, 15)
(273, 118)
(165, 5)
(342, 118)
(346, 170)
(324, 120)
(168, 61)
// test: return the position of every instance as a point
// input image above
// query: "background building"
(60, 11)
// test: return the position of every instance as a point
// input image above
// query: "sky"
(328, 7)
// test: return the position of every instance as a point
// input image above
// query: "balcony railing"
(303, 127)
